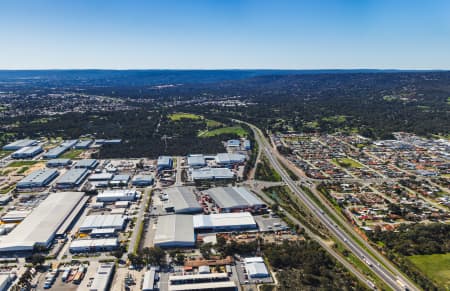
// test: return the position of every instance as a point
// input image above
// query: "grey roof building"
(58, 162)
(87, 163)
(27, 152)
(72, 178)
(212, 174)
(183, 200)
(18, 144)
(38, 178)
(103, 221)
(84, 144)
(196, 161)
(143, 180)
(174, 231)
(233, 198)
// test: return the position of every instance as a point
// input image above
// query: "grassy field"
(237, 130)
(213, 124)
(17, 164)
(72, 154)
(180, 115)
(348, 163)
(436, 267)
(4, 153)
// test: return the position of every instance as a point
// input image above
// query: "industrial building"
(52, 216)
(233, 143)
(84, 144)
(15, 216)
(38, 178)
(5, 280)
(256, 268)
(103, 277)
(103, 221)
(87, 164)
(226, 159)
(212, 174)
(120, 180)
(143, 180)
(27, 152)
(93, 245)
(164, 163)
(196, 161)
(174, 231)
(247, 145)
(182, 200)
(117, 195)
(5, 199)
(148, 284)
(73, 178)
(100, 177)
(103, 232)
(59, 150)
(56, 163)
(224, 222)
(212, 281)
(231, 199)
(18, 144)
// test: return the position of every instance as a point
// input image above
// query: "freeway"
(395, 280)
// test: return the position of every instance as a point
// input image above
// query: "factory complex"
(65, 205)
(39, 228)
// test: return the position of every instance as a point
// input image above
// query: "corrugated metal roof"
(233, 197)
(41, 225)
(223, 220)
(183, 199)
(174, 229)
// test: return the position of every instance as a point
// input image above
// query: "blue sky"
(200, 34)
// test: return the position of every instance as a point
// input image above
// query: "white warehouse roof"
(41, 225)
(174, 231)
(212, 173)
(103, 221)
(224, 221)
(256, 268)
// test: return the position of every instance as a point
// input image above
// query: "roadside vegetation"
(235, 130)
(412, 247)
(265, 172)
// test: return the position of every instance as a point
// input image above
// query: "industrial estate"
(88, 218)
(153, 224)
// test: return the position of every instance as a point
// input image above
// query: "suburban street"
(393, 278)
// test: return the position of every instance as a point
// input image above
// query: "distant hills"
(152, 77)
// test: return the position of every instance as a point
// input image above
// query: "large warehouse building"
(93, 245)
(41, 226)
(229, 199)
(224, 222)
(103, 221)
(27, 152)
(72, 178)
(182, 200)
(174, 231)
(59, 150)
(38, 178)
(212, 174)
(87, 164)
(226, 159)
(18, 144)
(164, 163)
(116, 195)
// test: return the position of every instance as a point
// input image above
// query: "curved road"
(392, 279)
